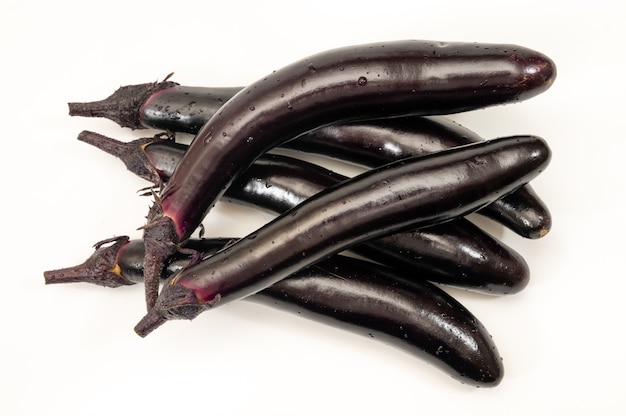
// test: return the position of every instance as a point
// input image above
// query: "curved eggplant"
(405, 312)
(409, 194)
(367, 143)
(454, 253)
(358, 82)
(373, 143)
(363, 297)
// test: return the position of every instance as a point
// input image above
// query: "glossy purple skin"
(367, 143)
(359, 82)
(409, 194)
(398, 308)
(376, 142)
(180, 109)
(395, 308)
(457, 252)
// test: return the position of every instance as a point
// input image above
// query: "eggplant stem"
(131, 153)
(161, 241)
(151, 321)
(174, 302)
(100, 268)
(121, 106)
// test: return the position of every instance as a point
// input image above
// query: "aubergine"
(366, 143)
(408, 194)
(350, 83)
(400, 309)
(455, 253)
(163, 105)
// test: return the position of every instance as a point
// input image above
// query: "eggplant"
(373, 143)
(456, 253)
(350, 83)
(164, 105)
(400, 309)
(366, 143)
(408, 194)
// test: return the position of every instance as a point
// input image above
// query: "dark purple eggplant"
(357, 82)
(371, 143)
(163, 105)
(408, 313)
(397, 308)
(408, 194)
(376, 142)
(455, 253)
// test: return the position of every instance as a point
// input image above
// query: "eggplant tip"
(151, 321)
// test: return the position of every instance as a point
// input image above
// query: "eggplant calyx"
(161, 241)
(174, 302)
(123, 106)
(131, 153)
(100, 268)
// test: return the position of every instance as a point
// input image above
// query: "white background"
(71, 349)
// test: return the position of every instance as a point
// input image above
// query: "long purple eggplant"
(455, 253)
(163, 105)
(373, 143)
(175, 108)
(400, 309)
(357, 82)
(409, 194)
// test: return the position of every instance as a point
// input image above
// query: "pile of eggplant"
(372, 253)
